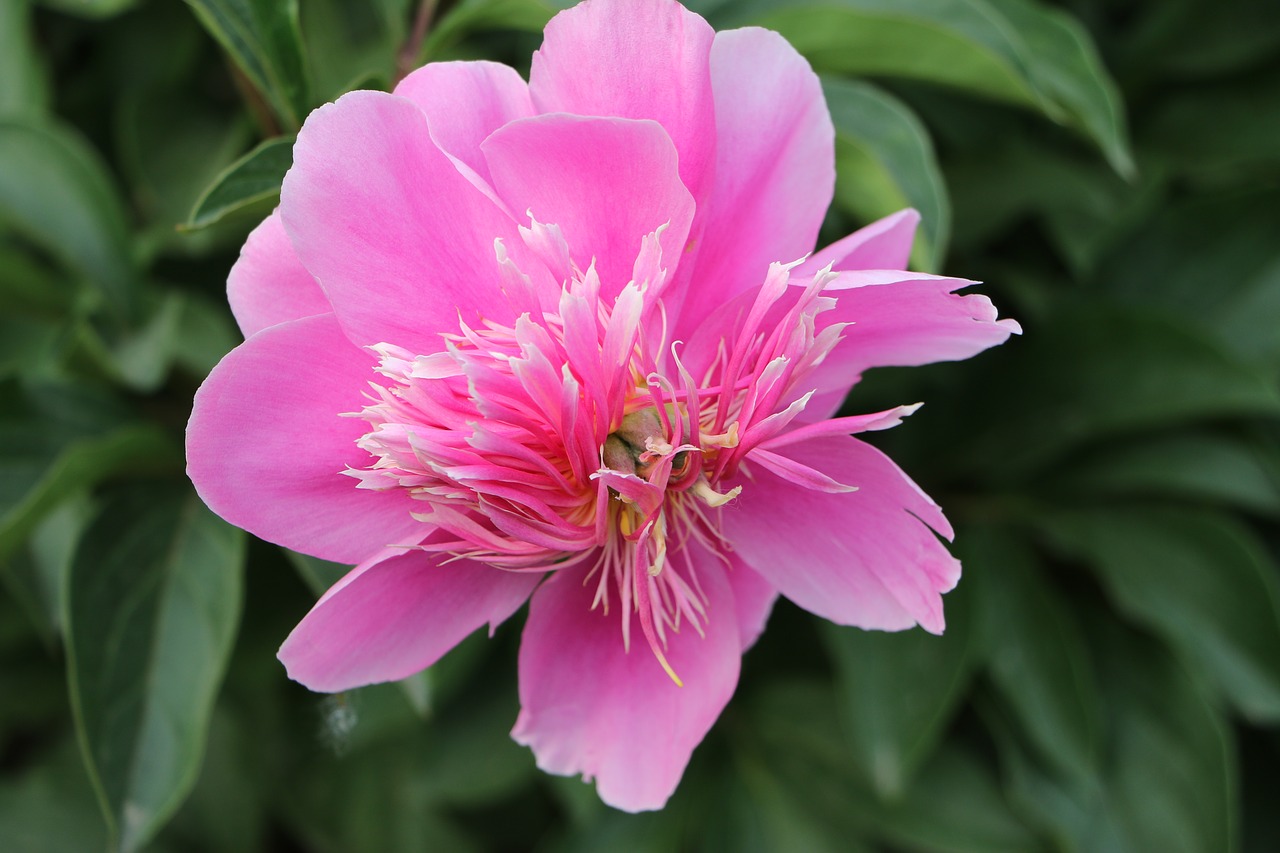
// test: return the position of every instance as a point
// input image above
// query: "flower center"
(577, 434)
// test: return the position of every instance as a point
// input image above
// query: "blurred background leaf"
(249, 186)
(885, 162)
(55, 192)
(152, 602)
(262, 38)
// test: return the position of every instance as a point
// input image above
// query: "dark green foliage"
(1110, 677)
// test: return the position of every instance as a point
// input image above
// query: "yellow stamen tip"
(666, 666)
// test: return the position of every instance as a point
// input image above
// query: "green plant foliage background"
(1110, 678)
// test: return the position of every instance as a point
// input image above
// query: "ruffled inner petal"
(465, 102)
(638, 60)
(605, 183)
(775, 172)
(400, 240)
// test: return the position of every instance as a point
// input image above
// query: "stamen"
(642, 582)
(703, 491)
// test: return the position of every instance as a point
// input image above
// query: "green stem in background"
(263, 116)
(407, 59)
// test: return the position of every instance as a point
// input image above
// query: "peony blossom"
(563, 342)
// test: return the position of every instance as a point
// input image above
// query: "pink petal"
(590, 707)
(873, 422)
(397, 615)
(633, 59)
(266, 445)
(904, 319)
(883, 245)
(865, 558)
(465, 102)
(605, 182)
(400, 241)
(775, 168)
(268, 284)
(753, 597)
(797, 474)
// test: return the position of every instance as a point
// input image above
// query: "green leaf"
(351, 41)
(205, 334)
(1186, 39)
(801, 780)
(763, 813)
(251, 185)
(1218, 131)
(1081, 204)
(960, 44)
(472, 758)
(885, 162)
(24, 83)
(1211, 260)
(956, 806)
(49, 807)
(28, 346)
(263, 39)
(316, 573)
(1097, 371)
(1197, 465)
(227, 809)
(175, 329)
(1168, 782)
(378, 795)
(152, 606)
(1199, 579)
(1011, 51)
(476, 15)
(140, 358)
(1034, 651)
(791, 746)
(1079, 818)
(1243, 325)
(646, 832)
(92, 9)
(37, 573)
(1064, 65)
(1172, 782)
(30, 285)
(55, 192)
(56, 442)
(173, 147)
(897, 691)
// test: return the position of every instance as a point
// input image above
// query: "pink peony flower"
(552, 342)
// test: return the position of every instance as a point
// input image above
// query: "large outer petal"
(466, 101)
(866, 558)
(904, 319)
(775, 168)
(399, 239)
(634, 59)
(607, 182)
(590, 707)
(396, 616)
(754, 597)
(268, 284)
(267, 444)
(883, 245)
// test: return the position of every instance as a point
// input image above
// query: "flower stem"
(407, 59)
